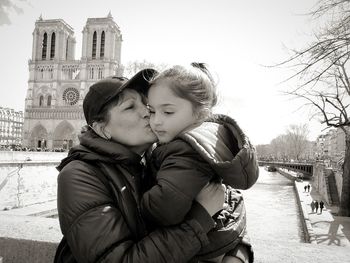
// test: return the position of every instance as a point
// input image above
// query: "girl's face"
(170, 115)
(129, 121)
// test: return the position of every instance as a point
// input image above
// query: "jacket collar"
(94, 148)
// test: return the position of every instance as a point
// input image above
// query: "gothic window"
(53, 40)
(67, 49)
(102, 49)
(41, 101)
(70, 73)
(70, 96)
(51, 73)
(94, 43)
(44, 46)
(49, 100)
(91, 73)
(100, 73)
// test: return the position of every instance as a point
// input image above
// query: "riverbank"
(323, 228)
(320, 228)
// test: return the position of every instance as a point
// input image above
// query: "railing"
(305, 168)
(28, 163)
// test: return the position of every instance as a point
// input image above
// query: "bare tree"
(322, 69)
(279, 147)
(296, 138)
(7, 7)
(132, 67)
(263, 151)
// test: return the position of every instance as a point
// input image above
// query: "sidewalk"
(40, 209)
(325, 228)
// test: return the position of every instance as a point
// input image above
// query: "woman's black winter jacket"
(98, 206)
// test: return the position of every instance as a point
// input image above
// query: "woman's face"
(129, 121)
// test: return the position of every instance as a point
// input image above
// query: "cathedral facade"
(57, 83)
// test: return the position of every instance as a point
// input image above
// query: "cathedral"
(58, 83)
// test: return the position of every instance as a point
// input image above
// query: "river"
(272, 209)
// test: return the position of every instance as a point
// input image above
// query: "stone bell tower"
(101, 50)
(58, 83)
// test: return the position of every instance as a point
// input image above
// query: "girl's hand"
(212, 197)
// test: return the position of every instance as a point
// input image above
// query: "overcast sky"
(236, 38)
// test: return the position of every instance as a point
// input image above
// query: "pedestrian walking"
(321, 206)
(305, 187)
(312, 206)
(316, 206)
(308, 187)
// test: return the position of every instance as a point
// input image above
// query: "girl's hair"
(194, 83)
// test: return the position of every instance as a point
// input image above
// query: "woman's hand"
(212, 197)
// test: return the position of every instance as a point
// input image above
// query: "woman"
(99, 186)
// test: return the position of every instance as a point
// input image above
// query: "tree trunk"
(344, 209)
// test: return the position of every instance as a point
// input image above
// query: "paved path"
(325, 228)
(39, 209)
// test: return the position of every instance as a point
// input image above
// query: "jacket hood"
(93, 148)
(222, 143)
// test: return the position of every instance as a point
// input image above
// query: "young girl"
(195, 148)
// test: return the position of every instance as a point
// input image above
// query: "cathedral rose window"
(71, 96)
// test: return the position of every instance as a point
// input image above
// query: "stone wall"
(319, 181)
(9, 156)
(24, 183)
(339, 180)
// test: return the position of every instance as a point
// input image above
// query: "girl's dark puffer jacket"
(216, 150)
(100, 219)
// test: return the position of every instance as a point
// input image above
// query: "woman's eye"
(129, 107)
(151, 111)
(168, 112)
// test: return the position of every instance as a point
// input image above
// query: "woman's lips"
(148, 127)
(160, 133)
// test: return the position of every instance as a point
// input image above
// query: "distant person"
(308, 187)
(321, 206)
(312, 206)
(316, 206)
(195, 147)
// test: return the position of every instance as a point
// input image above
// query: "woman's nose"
(145, 111)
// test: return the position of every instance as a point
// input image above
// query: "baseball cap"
(104, 91)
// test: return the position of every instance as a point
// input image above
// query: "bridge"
(305, 168)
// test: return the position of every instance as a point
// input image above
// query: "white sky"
(234, 37)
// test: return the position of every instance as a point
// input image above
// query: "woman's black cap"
(105, 90)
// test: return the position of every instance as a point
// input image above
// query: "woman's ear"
(106, 133)
(99, 129)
